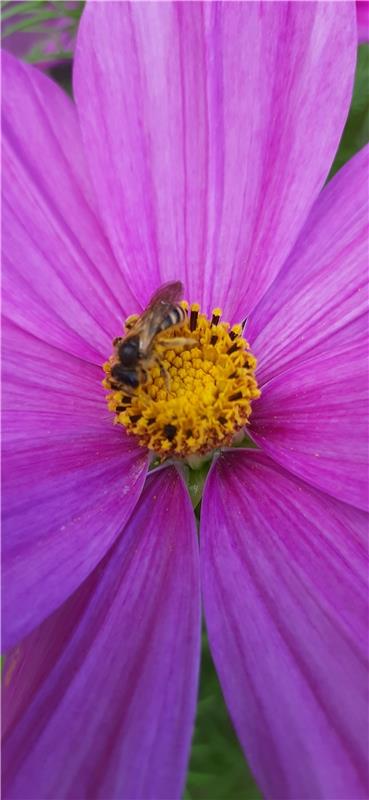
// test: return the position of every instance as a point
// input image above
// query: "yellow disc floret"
(196, 394)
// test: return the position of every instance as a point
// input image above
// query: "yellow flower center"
(196, 396)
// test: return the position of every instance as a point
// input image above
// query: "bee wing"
(168, 293)
(149, 321)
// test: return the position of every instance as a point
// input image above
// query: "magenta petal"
(60, 279)
(313, 419)
(318, 302)
(210, 129)
(70, 478)
(285, 590)
(309, 333)
(362, 14)
(102, 696)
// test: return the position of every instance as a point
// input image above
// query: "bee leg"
(163, 372)
(131, 321)
(145, 376)
(178, 341)
(117, 341)
(166, 377)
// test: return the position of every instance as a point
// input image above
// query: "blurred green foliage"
(47, 29)
(217, 770)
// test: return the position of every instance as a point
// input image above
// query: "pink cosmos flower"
(197, 149)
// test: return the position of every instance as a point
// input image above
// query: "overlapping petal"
(318, 302)
(60, 279)
(101, 698)
(70, 479)
(309, 334)
(209, 130)
(285, 590)
(313, 419)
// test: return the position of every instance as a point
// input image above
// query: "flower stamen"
(198, 388)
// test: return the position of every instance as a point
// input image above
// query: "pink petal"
(309, 333)
(102, 697)
(285, 590)
(70, 479)
(209, 130)
(60, 281)
(318, 302)
(313, 419)
(362, 14)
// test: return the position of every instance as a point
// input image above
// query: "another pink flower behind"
(362, 12)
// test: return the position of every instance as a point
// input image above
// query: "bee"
(134, 351)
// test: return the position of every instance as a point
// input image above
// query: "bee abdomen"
(175, 315)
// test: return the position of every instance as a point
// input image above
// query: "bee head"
(125, 376)
(128, 351)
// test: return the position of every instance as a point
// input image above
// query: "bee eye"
(128, 352)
